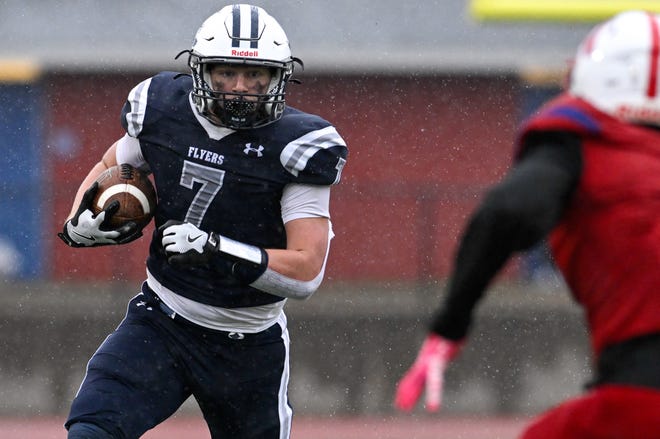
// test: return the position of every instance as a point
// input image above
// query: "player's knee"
(85, 430)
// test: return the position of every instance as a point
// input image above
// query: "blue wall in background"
(21, 181)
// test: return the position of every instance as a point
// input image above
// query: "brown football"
(134, 191)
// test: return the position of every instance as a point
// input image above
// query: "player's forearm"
(291, 282)
(107, 161)
(288, 274)
(188, 246)
(482, 253)
(297, 271)
(86, 183)
(515, 215)
(296, 264)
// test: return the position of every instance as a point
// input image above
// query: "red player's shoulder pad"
(563, 113)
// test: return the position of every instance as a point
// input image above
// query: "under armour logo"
(249, 149)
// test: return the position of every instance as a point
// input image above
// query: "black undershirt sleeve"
(513, 216)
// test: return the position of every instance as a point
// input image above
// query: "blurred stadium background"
(428, 98)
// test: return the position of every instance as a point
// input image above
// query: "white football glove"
(186, 246)
(84, 229)
(183, 237)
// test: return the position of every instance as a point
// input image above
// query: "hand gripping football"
(134, 192)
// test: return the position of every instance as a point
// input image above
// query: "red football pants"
(606, 412)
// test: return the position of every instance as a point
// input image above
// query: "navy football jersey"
(225, 181)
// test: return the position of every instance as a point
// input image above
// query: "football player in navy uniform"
(587, 175)
(242, 224)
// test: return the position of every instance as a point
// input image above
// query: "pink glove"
(428, 370)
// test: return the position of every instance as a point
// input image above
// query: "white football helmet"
(244, 35)
(616, 67)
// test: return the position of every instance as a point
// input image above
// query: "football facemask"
(242, 35)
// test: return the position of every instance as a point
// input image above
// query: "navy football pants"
(151, 364)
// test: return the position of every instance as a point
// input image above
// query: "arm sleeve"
(298, 201)
(129, 151)
(275, 283)
(514, 215)
(305, 201)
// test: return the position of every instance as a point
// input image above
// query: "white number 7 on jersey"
(211, 181)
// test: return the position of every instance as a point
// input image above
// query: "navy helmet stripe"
(254, 23)
(236, 26)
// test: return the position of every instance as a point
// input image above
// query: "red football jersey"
(607, 244)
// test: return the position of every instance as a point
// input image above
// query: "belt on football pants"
(169, 312)
(153, 297)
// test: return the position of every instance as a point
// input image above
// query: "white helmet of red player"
(240, 34)
(617, 67)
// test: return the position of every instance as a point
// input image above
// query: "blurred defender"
(587, 175)
(243, 187)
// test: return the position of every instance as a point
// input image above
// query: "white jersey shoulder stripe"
(295, 155)
(137, 98)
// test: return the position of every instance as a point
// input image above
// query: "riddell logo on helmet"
(235, 52)
(637, 113)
